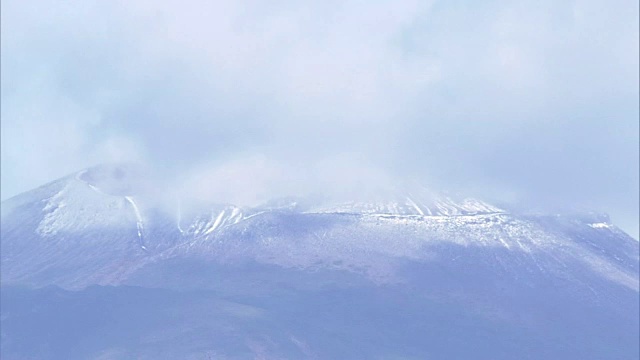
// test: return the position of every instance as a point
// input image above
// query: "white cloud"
(411, 88)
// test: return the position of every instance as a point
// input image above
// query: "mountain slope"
(455, 277)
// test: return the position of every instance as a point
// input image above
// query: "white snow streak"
(216, 223)
(138, 216)
(504, 242)
(415, 206)
(235, 214)
(180, 218)
(600, 225)
(252, 215)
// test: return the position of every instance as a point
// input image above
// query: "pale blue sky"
(534, 101)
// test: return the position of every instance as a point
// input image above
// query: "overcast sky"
(526, 101)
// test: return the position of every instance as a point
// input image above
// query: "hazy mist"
(532, 101)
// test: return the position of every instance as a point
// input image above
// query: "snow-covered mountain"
(446, 259)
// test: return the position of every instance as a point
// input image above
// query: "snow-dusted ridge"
(98, 214)
(111, 183)
(438, 207)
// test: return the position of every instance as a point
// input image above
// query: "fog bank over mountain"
(533, 103)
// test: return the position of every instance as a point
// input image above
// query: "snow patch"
(76, 206)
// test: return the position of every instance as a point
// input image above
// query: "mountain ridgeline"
(91, 267)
